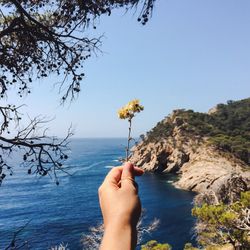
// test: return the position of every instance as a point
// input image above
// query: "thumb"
(127, 174)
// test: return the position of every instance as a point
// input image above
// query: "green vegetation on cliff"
(224, 223)
(154, 245)
(227, 127)
(219, 227)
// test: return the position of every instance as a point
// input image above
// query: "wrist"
(119, 235)
(119, 225)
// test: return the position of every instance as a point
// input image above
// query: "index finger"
(114, 175)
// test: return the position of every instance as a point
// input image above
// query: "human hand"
(121, 207)
(118, 196)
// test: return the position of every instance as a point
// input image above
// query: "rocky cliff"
(186, 146)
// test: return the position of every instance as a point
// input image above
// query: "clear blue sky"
(192, 54)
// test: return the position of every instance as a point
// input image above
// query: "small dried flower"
(123, 113)
(128, 112)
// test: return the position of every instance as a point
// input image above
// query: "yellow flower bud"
(129, 110)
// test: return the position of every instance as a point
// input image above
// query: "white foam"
(109, 166)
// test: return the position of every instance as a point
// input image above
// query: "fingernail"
(128, 166)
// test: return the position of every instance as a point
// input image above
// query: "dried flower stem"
(128, 112)
(129, 138)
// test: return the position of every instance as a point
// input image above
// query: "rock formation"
(203, 168)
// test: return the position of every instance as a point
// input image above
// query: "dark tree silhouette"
(39, 38)
(41, 154)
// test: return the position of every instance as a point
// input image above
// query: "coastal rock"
(206, 169)
(151, 158)
(217, 175)
(200, 171)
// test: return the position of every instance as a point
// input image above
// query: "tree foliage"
(189, 246)
(154, 245)
(222, 224)
(40, 38)
(41, 154)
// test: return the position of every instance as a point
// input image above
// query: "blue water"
(63, 213)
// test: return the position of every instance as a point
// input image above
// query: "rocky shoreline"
(216, 176)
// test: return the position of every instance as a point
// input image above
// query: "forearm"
(122, 237)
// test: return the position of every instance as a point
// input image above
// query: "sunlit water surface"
(63, 213)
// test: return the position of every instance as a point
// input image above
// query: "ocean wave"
(84, 167)
(14, 206)
(109, 166)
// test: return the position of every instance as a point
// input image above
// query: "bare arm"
(121, 208)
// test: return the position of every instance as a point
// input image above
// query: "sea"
(46, 215)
